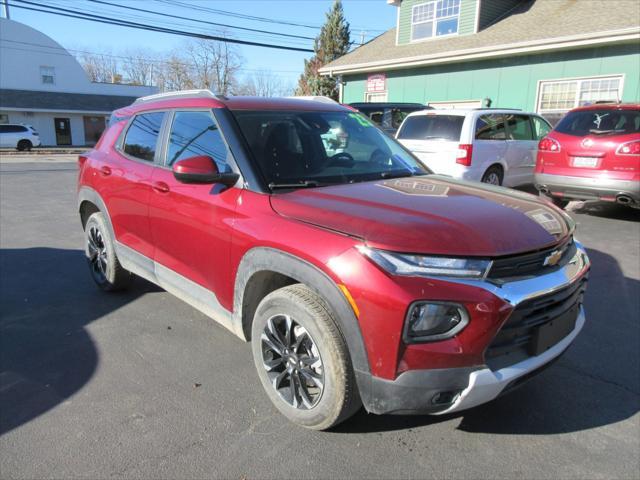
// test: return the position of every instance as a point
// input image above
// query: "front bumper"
(440, 391)
(587, 188)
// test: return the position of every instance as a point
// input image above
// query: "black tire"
(311, 325)
(493, 176)
(103, 263)
(24, 145)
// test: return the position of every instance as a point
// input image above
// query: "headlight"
(430, 321)
(415, 265)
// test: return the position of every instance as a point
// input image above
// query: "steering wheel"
(341, 159)
(379, 158)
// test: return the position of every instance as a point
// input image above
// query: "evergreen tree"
(333, 42)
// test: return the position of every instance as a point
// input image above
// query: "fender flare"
(270, 259)
(86, 194)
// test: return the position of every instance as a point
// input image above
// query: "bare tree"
(174, 74)
(100, 67)
(139, 67)
(265, 83)
(214, 64)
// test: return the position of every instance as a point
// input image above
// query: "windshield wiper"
(404, 173)
(304, 184)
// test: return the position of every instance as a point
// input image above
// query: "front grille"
(516, 340)
(530, 264)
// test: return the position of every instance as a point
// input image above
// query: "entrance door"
(63, 131)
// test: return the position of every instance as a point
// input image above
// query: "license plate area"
(584, 162)
(549, 334)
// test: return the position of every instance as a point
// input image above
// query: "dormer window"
(434, 19)
(48, 75)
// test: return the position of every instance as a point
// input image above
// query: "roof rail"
(180, 94)
(497, 108)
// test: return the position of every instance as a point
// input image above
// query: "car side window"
(195, 134)
(519, 127)
(491, 127)
(541, 127)
(142, 136)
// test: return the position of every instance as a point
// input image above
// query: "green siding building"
(546, 56)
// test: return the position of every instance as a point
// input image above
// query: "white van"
(497, 146)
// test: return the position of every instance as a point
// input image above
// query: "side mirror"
(202, 169)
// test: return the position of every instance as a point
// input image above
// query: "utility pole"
(5, 9)
(362, 33)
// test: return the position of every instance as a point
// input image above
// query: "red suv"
(359, 277)
(593, 153)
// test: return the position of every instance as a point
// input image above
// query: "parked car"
(20, 137)
(484, 145)
(388, 115)
(359, 277)
(593, 153)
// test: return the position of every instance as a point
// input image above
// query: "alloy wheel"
(292, 362)
(97, 250)
(492, 179)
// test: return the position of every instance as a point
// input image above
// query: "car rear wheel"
(493, 175)
(302, 359)
(24, 145)
(104, 266)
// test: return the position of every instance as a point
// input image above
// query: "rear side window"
(432, 127)
(195, 134)
(519, 127)
(600, 122)
(142, 136)
(491, 127)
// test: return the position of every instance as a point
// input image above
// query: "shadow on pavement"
(46, 353)
(595, 383)
(606, 210)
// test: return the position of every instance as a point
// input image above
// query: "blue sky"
(369, 16)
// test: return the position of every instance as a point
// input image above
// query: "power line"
(125, 23)
(200, 21)
(65, 52)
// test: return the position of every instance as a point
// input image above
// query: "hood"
(431, 215)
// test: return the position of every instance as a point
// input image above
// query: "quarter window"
(195, 134)
(540, 127)
(491, 127)
(434, 19)
(142, 137)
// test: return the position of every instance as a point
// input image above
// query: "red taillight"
(548, 144)
(629, 148)
(463, 157)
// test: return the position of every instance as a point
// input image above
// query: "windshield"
(321, 148)
(600, 122)
(432, 127)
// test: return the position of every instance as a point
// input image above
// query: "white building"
(43, 85)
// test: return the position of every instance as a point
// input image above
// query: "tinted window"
(432, 127)
(323, 147)
(600, 122)
(142, 136)
(519, 127)
(194, 134)
(12, 128)
(491, 127)
(540, 127)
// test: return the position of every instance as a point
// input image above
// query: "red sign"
(377, 83)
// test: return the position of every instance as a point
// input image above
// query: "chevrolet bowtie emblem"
(553, 258)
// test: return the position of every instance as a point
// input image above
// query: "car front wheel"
(302, 360)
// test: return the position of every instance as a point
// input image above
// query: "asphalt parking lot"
(140, 385)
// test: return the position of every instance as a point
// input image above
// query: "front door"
(63, 131)
(191, 224)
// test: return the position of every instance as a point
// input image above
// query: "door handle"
(105, 171)
(160, 187)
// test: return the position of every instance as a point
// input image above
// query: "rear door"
(192, 224)
(433, 138)
(125, 180)
(490, 144)
(522, 148)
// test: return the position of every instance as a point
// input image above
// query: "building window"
(563, 95)
(434, 19)
(375, 97)
(4, 118)
(48, 75)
